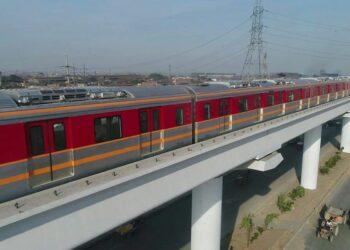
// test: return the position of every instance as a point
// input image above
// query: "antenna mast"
(67, 67)
(255, 45)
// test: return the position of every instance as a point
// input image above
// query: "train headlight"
(23, 100)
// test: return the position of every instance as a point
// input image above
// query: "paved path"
(306, 237)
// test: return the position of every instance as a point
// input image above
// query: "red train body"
(49, 144)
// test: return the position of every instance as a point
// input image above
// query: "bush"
(331, 162)
(254, 237)
(324, 170)
(284, 203)
(268, 219)
(297, 192)
(248, 225)
(260, 230)
(337, 155)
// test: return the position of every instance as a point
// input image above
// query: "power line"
(175, 55)
(301, 36)
(228, 60)
(307, 52)
(296, 20)
(211, 54)
(227, 56)
(283, 36)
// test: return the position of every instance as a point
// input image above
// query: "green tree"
(157, 76)
(269, 218)
(12, 79)
(284, 203)
(247, 224)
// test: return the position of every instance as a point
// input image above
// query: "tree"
(268, 219)
(247, 224)
(157, 76)
(12, 79)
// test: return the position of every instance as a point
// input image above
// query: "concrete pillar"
(206, 215)
(345, 133)
(311, 156)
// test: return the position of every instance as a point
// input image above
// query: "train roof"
(24, 99)
(6, 101)
(155, 91)
(207, 88)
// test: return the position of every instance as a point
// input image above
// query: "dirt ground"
(284, 228)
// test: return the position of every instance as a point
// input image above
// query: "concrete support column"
(345, 134)
(311, 156)
(206, 215)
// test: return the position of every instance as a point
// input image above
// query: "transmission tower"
(255, 57)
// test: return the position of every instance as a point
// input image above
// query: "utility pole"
(67, 67)
(170, 80)
(84, 74)
(74, 74)
(256, 47)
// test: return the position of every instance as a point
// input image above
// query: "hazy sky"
(148, 35)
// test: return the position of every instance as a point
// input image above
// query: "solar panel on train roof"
(155, 91)
(6, 101)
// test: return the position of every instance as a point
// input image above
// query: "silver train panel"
(292, 107)
(273, 111)
(40, 165)
(178, 137)
(245, 119)
(207, 129)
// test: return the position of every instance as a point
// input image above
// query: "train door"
(49, 159)
(225, 123)
(151, 138)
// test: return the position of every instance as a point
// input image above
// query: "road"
(169, 228)
(339, 198)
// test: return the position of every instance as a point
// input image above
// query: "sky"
(144, 36)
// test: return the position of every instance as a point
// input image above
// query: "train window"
(223, 107)
(59, 136)
(179, 116)
(290, 96)
(36, 140)
(323, 89)
(281, 100)
(107, 128)
(206, 111)
(143, 122)
(257, 101)
(271, 99)
(243, 104)
(155, 115)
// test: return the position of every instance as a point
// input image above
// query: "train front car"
(44, 145)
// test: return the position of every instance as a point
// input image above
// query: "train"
(51, 137)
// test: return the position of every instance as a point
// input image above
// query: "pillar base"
(206, 215)
(345, 134)
(311, 156)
